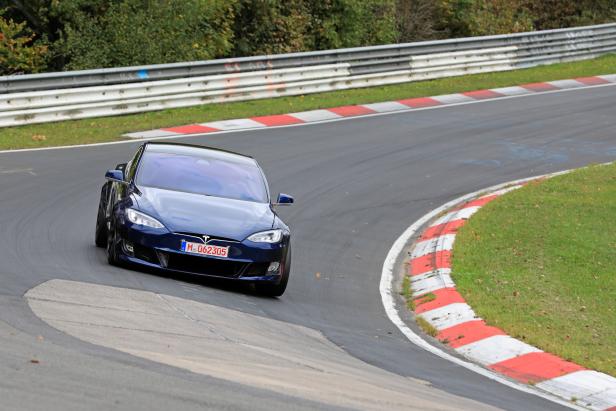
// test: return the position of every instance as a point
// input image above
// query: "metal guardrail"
(28, 99)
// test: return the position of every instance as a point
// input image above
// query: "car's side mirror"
(121, 167)
(115, 175)
(284, 199)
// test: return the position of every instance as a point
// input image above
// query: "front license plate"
(204, 249)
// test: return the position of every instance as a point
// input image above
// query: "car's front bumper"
(161, 249)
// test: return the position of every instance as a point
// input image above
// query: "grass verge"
(111, 128)
(540, 263)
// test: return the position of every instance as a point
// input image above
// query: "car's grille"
(206, 266)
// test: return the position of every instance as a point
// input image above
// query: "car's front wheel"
(276, 290)
(112, 246)
(100, 235)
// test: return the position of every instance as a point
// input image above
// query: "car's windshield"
(207, 174)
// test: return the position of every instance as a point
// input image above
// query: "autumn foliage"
(18, 51)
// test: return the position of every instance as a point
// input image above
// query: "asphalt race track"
(357, 183)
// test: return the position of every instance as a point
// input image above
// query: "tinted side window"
(131, 167)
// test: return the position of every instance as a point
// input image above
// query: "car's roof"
(199, 151)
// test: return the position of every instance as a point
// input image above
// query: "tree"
(271, 27)
(352, 23)
(137, 32)
(500, 17)
(553, 14)
(19, 53)
(419, 20)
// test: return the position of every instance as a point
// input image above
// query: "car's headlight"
(269, 236)
(137, 217)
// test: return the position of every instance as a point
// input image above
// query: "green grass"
(407, 293)
(540, 263)
(111, 128)
(426, 326)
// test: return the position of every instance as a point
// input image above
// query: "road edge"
(385, 107)
(388, 291)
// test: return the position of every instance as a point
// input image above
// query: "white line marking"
(330, 120)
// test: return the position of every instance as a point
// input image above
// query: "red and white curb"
(316, 116)
(438, 302)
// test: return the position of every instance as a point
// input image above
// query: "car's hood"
(213, 216)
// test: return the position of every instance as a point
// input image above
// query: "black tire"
(100, 235)
(112, 246)
(276, 290)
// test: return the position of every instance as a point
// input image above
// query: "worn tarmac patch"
(228, 344)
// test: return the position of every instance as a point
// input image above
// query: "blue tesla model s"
(197, 210)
